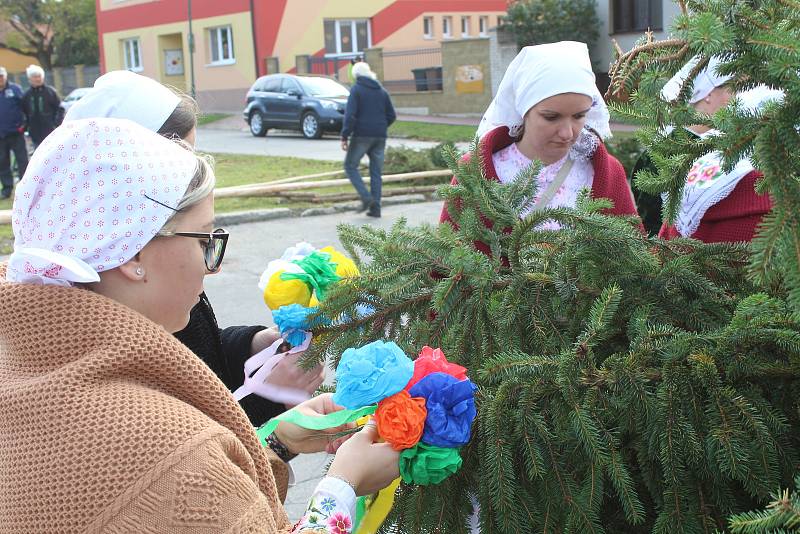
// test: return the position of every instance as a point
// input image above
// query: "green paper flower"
(319, 272)
(425, 464)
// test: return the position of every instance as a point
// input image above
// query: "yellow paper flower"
(345, 267)
(314, 301)
(284, 292)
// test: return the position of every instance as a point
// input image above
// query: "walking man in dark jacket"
(12, 126)
(368, 116)
(41, 105)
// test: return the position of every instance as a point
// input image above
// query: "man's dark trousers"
(14, 142)
(374, 148)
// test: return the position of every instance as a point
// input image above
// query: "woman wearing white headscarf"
(126, 95)
(109, 423)
(548, 108)
(717, 206)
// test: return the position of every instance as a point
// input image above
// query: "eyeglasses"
(213, 244)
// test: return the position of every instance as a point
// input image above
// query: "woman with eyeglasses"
(126, 95)
(109, 423)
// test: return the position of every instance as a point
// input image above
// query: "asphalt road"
(237, 300)
(234, 141)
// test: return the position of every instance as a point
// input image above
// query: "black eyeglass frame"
(217, 234)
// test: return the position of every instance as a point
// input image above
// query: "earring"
(139, 271)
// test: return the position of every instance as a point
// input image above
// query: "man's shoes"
(374, 213)
(6, 193)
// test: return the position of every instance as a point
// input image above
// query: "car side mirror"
(293, 92)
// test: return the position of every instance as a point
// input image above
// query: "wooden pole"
(267, 189)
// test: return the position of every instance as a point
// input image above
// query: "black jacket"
(369, 110)
(42, 109)
(225, 352)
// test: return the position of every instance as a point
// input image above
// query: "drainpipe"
(191, 51)
(253, 31)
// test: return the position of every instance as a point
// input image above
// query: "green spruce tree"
(626, 384)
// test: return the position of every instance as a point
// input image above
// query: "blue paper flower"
(451, 409)
(371, 373)
(293, 322)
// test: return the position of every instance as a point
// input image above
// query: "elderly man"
(41, 104)
(12, 126)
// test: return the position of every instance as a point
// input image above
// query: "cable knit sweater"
(111, 425)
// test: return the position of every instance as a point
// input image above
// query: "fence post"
(302, 64)
(374, 58)
(272, 65)
(79, 80)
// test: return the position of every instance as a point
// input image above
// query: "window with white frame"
(465, 24)
(447, 27)
(132, 53)
(221, 43)
(483, 26)
(427, 27)
(347, 36)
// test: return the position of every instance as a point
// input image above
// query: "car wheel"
(257, 126)
(310, 126)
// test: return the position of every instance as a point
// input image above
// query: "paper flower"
(371, 373)
(345, 267)
(425, 464)
(317, 271)
(280, 292)
(433, 361)
(298, 252)
(292, 320)
(401, 420)
(451, 409)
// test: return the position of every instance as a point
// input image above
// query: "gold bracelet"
(343, 479)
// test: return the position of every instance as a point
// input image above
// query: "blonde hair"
(363, 69)
(201, 185)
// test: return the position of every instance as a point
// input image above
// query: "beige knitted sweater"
(110, 425)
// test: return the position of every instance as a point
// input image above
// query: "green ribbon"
(313, 422)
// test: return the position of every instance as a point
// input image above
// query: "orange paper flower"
(401, 420)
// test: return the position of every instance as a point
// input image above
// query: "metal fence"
(412, 70)
(63, 79)
(337, 67)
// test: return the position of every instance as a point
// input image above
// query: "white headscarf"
(94, 194)
(539, 72)
(125, 95)
(705, 82)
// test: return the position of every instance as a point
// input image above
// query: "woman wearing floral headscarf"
(548, 108)
(109, 423)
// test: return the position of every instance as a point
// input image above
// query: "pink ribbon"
(257, 369)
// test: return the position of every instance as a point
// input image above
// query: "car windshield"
(77, 94)
(324, 87)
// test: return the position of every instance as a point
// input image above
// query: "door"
(292, 101)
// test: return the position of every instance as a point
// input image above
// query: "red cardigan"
(734, 218)
(610, 180)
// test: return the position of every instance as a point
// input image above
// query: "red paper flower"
(401, 420)
(433, 361)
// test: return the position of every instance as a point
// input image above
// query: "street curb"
(243, 217)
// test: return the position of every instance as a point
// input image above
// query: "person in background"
(717, 206)
(367, 119)
(12, 133)
(548, 108)
(41, 104)
(126, 95)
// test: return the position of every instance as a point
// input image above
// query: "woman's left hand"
(302, 440)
